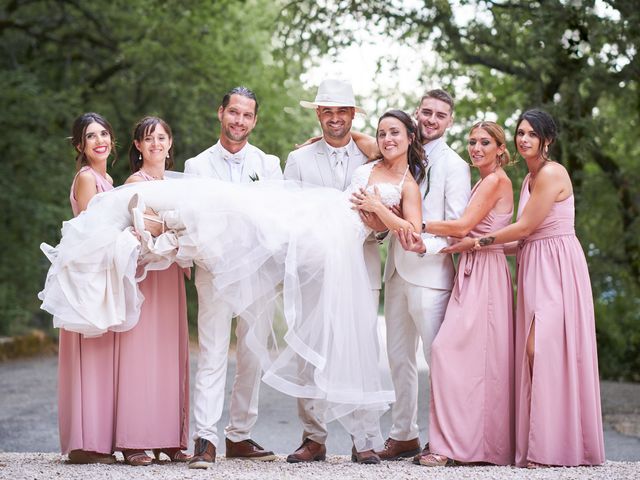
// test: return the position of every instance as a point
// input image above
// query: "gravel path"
(46, 466)
(28, 424)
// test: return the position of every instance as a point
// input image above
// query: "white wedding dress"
(261, 241)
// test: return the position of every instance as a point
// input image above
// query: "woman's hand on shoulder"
(308, 141)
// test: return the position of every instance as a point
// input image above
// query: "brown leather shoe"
(204, 454)
(84, 457)
(368, 457)
(397, 449)
(309, 451)
(248, 449)
(174, 454)
(425, 451)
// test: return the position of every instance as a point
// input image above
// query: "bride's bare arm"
(367, 144)
(411, 208)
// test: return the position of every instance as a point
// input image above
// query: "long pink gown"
(559, 421)
(472, 379)
(86, 377)
(152, 394)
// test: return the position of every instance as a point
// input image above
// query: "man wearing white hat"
(330, 162)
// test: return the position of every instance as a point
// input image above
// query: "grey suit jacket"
(311, 164)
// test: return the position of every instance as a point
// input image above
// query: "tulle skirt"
(262, 241)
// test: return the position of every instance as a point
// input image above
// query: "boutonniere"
(254, 177)
(428, 182)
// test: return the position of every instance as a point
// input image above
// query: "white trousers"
(311, 410)
(411, 313)
(214, 333)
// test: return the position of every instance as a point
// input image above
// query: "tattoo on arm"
(484, 241)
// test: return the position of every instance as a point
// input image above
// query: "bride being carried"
(260, 241)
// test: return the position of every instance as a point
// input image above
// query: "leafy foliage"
(124, 59)
(578, 59)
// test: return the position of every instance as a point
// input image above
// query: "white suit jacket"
(311, 164)
(445, 193)
(211, 163)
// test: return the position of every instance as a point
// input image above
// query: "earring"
(168, 156)
(140, 156)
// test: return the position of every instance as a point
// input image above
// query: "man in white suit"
(231, 159)
(331, 162)
(418, 285)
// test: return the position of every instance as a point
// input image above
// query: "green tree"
(124, 59)
(578, 59)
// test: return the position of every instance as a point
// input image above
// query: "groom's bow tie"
(233, 157)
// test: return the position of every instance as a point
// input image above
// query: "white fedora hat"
(334, 93)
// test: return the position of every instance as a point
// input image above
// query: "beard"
(336, 133)
(236, 137)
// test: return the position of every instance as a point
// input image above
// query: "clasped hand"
(412, 242)
(460, 245)
(366, 201)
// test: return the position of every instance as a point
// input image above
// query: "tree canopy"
(578, 59)
(124, 59)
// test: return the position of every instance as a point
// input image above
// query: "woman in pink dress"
(152, 396)
(558, 417)
(86, 365)
(472, 414)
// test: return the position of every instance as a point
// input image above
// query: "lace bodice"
(391, 193)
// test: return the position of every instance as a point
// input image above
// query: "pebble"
(47, 466)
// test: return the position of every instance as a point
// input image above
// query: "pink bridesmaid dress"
(559, 421)
(472, 379)
(86, 377)
(152, 395)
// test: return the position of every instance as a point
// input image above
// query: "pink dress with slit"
(559, 421)
(152, 394)
(86, 377)
(472, 379)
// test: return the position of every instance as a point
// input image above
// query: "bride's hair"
(415, 153)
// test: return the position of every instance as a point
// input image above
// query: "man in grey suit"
(418, 283)
(231, 159)
(331, 162)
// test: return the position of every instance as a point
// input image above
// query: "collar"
(225, 154)
(348, 148)
(432, 145)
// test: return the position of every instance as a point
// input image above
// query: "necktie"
(339, 167)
